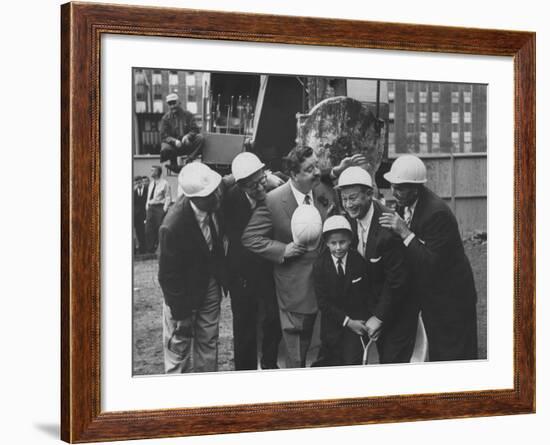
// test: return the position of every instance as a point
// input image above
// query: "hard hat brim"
(241, 178)
(352, 184)
(396, 180)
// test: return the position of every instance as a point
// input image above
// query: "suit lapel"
(191, 227)
(288, 200)
(370, 249)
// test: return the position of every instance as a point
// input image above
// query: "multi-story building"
(436, 117)
(151, 86)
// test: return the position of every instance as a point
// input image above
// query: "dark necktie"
(153, 191)
(340, 268)
(307, 200)
(213, 234)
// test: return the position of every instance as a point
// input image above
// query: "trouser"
(139, 226)
(245, 305)
(197, 351)
(155, 215)
(297, 330)
(169, 152)
(396, 342)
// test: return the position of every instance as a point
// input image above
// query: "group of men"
(234, 234)
(152, 198)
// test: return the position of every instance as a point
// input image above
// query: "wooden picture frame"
(82, 26)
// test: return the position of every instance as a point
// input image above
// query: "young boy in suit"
(340, 282)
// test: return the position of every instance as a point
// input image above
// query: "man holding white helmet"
(442, 276)
(269, 234)
(249, 277)
(192, 271)
(394, 314)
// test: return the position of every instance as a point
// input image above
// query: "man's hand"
(357, 327)
(294, 250)
(395, 223)
(355, 160)
(178, 143)
(373, 327)
(190, 136)
(184, 328)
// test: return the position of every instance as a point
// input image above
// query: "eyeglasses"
(256, 184)
(171, 103)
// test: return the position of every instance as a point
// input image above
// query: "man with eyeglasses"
(179, 133)
(250, 277)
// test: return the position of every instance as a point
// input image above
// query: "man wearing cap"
(394, 316)
(140, 200)
(159, 198)
(442, 276)
(250, 277)
(191, 272)
(269, 235)
(179, 134)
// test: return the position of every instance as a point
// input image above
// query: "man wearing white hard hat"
(443, 281)
(394, 316)
(179, 133)
(341, 286)
(249, 277)
(192, 271)
(270, 235)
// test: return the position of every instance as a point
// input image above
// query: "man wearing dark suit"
(394, 312)
(140, 199)
(269, 235)
(191, 272)
(442, 276)
(250, 277)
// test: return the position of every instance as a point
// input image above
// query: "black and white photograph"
(284, 221)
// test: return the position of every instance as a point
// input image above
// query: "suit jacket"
(244, 268)
(267, 235)
(338, 299)
(386, 270)
(139, 203)
(185, 262)
(443, 280)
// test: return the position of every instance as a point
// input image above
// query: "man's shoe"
(264, 365)
(174, 168)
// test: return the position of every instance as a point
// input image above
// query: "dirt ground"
(147, 316)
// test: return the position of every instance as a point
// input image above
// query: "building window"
(435, 116)
(423, 96)
(454, 106)
(410, 128)
(454, 117)
(434, 87)
(173, 81)
(467, 96)
(410, 117)
(423, 86)
(467, 106)
(410, 86)
(455, 138)
(455, 128)
(467, 136)
(410, 107)
(423, 107)
(435, 138)
(190, 80)
(410, 96)
(435, 128)
(423, 138)
(192, 107)
(423, 117)
(435, 96)
(391, 138)
(454, 96)
(467, 147)
(467, 126)
(391, 95)
(468, 117)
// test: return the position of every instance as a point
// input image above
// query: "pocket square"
(356, 280)
(375, 260)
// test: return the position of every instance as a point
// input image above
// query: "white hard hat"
(245, 164)
(306, 225)
(336, 222)
(354, 176)
(407, 169)
(172, 97)
(198, 180)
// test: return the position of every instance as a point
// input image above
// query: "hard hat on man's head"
(407, 169)
(197, 180)
(172, 97)
(245, 164)
(336, 222)
(354, 176)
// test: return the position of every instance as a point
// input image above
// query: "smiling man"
(394, 313)
(269, 235)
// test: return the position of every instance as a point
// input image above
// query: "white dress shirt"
(410, 209)
(202, 219)
(299, 196)
(344, 260)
